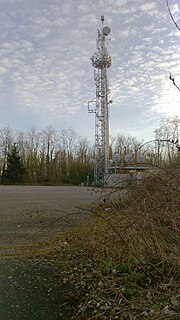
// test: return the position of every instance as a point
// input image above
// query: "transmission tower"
(101, 61)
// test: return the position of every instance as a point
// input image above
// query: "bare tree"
(6, 141)
(168, 131)
(49, 149)
(20, 138)
(174, 83)
(126, 145)
(172, 18)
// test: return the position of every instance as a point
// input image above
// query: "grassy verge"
(125, 265)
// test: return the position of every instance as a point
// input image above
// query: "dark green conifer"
(14, 171)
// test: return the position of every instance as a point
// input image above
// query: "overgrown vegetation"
(125, 265)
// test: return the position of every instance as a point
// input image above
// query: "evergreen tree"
(15, 170)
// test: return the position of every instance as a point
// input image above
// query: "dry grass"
(124, 266)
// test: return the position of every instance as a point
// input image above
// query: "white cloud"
(83, 7)
(175, 9)
(3, 70)
(148, 6)
(46, 47)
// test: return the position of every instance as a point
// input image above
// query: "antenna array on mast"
(101, 61)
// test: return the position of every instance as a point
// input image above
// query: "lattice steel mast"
(101, 61)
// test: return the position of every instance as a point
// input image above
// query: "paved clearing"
(30, 214)
(30, 288)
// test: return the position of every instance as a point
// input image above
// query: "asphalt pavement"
(34, 214)
(30, 288)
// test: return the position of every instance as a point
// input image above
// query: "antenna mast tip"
(102, 18)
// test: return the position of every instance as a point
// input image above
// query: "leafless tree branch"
(172, 79)
(172, 18)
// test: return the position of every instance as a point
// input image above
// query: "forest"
(52, 157)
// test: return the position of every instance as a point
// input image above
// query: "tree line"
(51, 157)
(46, 156)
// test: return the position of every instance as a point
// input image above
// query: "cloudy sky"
(46, 76)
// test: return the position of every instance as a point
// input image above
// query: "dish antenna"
(106, 31)
(140, 158)
(128, 158)
(116, 157)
